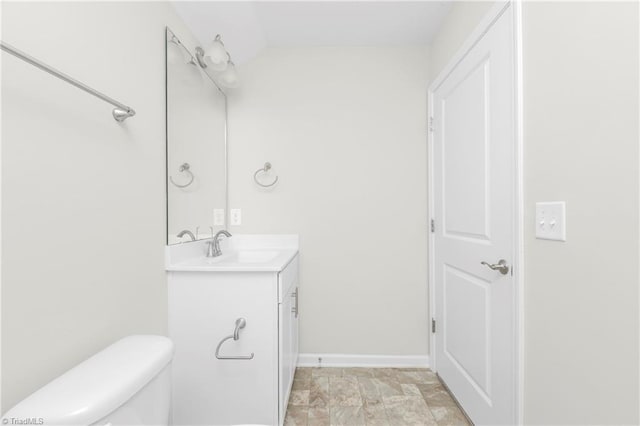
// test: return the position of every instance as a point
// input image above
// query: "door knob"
(501, 266)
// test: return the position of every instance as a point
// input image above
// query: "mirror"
(196, 146)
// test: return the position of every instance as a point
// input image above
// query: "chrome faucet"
(186, 232)
(214, 245)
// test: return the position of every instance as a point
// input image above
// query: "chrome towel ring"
(265, 169)
(184, 168)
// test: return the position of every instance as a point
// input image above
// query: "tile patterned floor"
(370, 396)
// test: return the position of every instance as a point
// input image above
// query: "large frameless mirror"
(196, 147)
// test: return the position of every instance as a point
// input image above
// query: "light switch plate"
(236, 217)
(218, 217)
(551, 221)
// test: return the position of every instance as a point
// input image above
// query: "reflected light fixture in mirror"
(174, 55)
(180, 54)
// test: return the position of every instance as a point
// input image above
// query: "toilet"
(128, 383)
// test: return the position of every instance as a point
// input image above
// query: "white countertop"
(241, 253)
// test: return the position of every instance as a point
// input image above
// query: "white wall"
(345, 130)
(581, 145)
(463, 17)
(83, 197)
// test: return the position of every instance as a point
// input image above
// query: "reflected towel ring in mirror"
(265, 169)
(184, 168)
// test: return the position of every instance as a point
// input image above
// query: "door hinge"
(433, 225)
(433, 325)
(431, 124)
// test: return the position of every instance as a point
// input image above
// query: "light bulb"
(216, 56)
(229, 77)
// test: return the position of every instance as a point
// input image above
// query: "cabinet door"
(293, 329)
(203, 309)
(287, 333)
(285, 352)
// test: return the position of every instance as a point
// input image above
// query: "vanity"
(233, 317)
(234, 322)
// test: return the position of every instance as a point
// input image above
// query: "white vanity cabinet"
(250, 380)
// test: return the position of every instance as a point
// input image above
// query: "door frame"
(485, 24)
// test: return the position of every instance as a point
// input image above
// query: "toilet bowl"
(128, 383)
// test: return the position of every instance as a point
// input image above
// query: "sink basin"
(240, 260)
(255, 256)
(240, 253)
(243, 256)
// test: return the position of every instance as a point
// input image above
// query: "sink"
(237, 260)
(239, 253)
(255, 256)
(240, 257)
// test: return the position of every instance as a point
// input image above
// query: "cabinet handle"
(295, 307)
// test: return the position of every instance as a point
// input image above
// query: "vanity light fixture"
(216, 56)
(229, 77)
(217, 59)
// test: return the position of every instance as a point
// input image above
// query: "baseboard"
(355, 360)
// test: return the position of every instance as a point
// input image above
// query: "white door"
(473, 206)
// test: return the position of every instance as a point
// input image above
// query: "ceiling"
(248, 27)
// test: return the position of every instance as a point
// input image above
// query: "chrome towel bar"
(240, 324)
(121, 112)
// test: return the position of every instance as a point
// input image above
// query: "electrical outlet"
(218, 217)
(550, 221)
(236, 217)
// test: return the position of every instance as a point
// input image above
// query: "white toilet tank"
(128, 383)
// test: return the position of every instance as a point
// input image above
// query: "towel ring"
(266, 168)
(184, 168)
